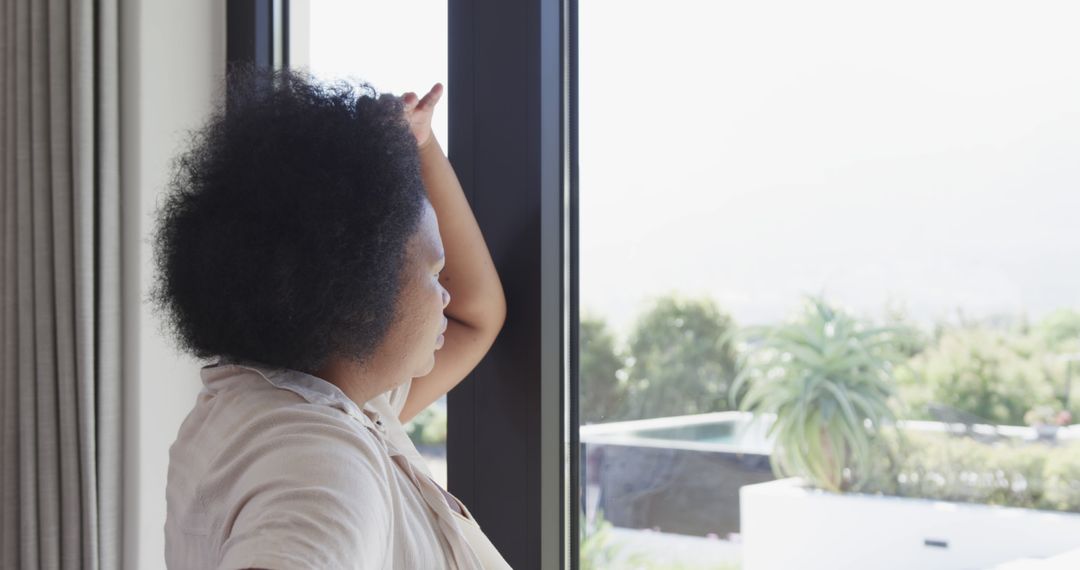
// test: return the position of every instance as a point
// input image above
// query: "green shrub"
(598, 551)
(595, 550)
(428, 427)
(994, 374)
(828, 379)
(1062, 479)
(1061, 330)
(947, 468)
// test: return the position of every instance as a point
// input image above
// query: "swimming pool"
(683, 474)
(676, 474)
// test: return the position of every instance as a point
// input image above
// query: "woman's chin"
(430, 366)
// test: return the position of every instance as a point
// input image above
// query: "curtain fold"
(60, 289)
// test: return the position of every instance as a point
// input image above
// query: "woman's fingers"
(413, 104)
(431, 98)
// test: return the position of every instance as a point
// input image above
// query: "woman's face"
(408, 350)
(417, 332)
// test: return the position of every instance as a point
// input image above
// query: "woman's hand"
(418, 112)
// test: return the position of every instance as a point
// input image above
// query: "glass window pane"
(395, 46)
(832, 240)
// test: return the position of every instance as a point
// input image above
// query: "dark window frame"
(512, 434)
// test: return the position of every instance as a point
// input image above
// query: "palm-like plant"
(828, 380)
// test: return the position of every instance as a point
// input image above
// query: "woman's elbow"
(495, 315)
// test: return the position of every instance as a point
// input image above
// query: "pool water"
(703, 433)
(739, 433)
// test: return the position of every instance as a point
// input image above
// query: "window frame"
(509, 59)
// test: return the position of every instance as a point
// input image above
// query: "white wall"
(786, 526)
(172, 60)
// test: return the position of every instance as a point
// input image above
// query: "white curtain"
(60, 398)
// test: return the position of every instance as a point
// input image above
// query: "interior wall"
(172, 62)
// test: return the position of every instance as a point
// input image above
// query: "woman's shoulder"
(256, 458)
(279, 440)
(294, 437)
(244, 423)
(265, 415)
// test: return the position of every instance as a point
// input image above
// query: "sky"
(922, 154)
(395, 46)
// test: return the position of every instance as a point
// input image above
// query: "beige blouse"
(274, 468)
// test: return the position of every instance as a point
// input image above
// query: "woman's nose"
(445, 298)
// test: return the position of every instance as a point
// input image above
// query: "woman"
(312, 241)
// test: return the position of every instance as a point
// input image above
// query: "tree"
(911, 339)
(1061, 330)
(602, 378)
(991, 373)
(682, 359)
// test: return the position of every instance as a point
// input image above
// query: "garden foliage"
(951, 468)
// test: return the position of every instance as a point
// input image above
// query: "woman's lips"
(442, 338)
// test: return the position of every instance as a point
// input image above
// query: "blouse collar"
(311, 388)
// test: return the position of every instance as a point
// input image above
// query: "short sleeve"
(313, 497)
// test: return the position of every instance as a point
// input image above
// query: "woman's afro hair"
(283, 236)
